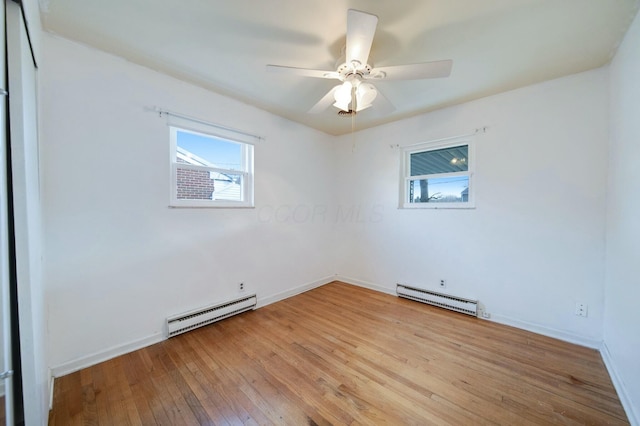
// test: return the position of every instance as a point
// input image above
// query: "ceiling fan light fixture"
(343, 96)
(342, 106)
(365, 95)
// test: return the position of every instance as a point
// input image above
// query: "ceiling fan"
(355, 93)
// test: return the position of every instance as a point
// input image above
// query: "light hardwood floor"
(341, 354)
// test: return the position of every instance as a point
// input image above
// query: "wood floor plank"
(190, 370)
(229, 388)
(388, 369)
(341, 354)
(261, 390)
(331, 385)
(301, 379)
(202, 373)
(138, 379)
(259, 374)
(164, 383)
(459, 345)
(317, 354)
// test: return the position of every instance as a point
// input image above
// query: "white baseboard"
(366, 284)
(98, 357)
(264, 301)
(51, 385)
(632, 415)
(547, 331)
(535, 328)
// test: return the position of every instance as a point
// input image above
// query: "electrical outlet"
(241, 287)
(581, 309)
(443, 283)
(486, 315)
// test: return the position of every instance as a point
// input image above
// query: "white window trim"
(405, 172)
(246, 172)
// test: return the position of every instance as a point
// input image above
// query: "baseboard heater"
(453, 303)
(188, 321)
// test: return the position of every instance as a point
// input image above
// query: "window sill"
(210, 205)
(437, 206)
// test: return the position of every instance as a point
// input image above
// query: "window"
(438, 174)
(209, 170)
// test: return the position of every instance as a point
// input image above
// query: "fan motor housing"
(346, 69)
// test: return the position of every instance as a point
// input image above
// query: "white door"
(6, 369)
(26, 214)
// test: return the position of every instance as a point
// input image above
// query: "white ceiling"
(224, 45)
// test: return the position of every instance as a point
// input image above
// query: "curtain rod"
(162, 112)
(475, 132)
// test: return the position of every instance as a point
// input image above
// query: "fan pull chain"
(353, 132)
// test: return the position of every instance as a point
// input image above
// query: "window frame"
(406, 178)
(246, 171)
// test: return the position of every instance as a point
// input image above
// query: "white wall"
(534, 244)
(119, 261)
(622, 288)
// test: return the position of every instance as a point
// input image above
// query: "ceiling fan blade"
(434, 69)
(324, 103)
(302, 72)
(361, 28)
(383, 105)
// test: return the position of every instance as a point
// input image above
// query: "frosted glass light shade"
(365, 95)
(343, 96)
